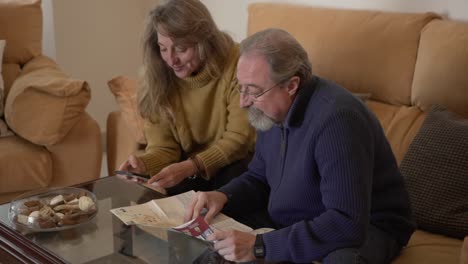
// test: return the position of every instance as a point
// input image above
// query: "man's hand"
(133, 164)
(234, 245)
(173, 174)
(213, 201)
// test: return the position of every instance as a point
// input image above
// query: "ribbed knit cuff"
(213, 159)
(152, 163)
(274, 242)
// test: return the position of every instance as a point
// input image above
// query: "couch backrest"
(365, 51)
(407, 61)
(21, 27)
(441, 73)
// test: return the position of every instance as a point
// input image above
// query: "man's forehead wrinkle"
(253, 71)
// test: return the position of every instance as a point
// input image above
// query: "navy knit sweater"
(325, 174)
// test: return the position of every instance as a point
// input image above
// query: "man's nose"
(245, 100)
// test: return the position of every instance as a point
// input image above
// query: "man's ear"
(293, 85)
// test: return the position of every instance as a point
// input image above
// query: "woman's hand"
(173, 174)
(133, 164)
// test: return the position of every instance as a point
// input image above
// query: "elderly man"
(322, 168)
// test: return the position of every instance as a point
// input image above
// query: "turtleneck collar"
(196, 81)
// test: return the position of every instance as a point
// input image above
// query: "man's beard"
(259, 120)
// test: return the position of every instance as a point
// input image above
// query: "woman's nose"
(173, 59)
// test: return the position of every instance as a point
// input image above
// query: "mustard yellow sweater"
(209, 123)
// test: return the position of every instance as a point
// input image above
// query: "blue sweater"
(325, 174)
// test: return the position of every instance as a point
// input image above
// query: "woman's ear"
(293, 85)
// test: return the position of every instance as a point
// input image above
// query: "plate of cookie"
(53, 209)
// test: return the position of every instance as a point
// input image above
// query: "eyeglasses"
(255, 95)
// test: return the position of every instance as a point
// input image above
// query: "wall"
(96, 41)
(231, 15)
(48, 33)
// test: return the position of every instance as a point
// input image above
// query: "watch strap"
(259, 247)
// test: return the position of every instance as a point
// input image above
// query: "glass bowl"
(53, 209)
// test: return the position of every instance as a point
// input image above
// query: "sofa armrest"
(77, 157)
(44, 104)
(120, 142)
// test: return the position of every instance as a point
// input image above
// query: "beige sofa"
(407, 62)
(55, 142)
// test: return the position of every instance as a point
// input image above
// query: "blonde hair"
(187, 22)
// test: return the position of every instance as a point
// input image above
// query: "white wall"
(231, 15)
(48, 33)
(96, 41)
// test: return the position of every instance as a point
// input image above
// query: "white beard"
(259, 120)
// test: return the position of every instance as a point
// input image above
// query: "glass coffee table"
(103, 240)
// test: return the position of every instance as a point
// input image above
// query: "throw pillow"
(44, 104)
(125, 92)
(436, 173)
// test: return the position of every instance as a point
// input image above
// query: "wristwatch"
(259, 247)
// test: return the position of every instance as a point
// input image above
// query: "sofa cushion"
(4, 131)
(440, 75)
(436, 173)
(44, 104)
(363, 96)
(21, 26)
(10, 72)
(464, 252)
(427, 248)
(347, 46)
(400, 124)
(125, 92)
(2, 86)
(23, 166)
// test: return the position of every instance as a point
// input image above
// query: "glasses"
(255, 95)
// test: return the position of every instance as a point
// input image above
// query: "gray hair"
(284, 54)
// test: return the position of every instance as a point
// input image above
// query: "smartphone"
(133, 176)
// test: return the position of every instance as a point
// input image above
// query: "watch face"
(259, 251)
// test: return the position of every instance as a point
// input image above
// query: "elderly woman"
(197, 134)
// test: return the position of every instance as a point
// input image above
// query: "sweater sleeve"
(344, 153)
(236, 138)
(162, 148)
(250, 191)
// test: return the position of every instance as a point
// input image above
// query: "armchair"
(55, 142)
